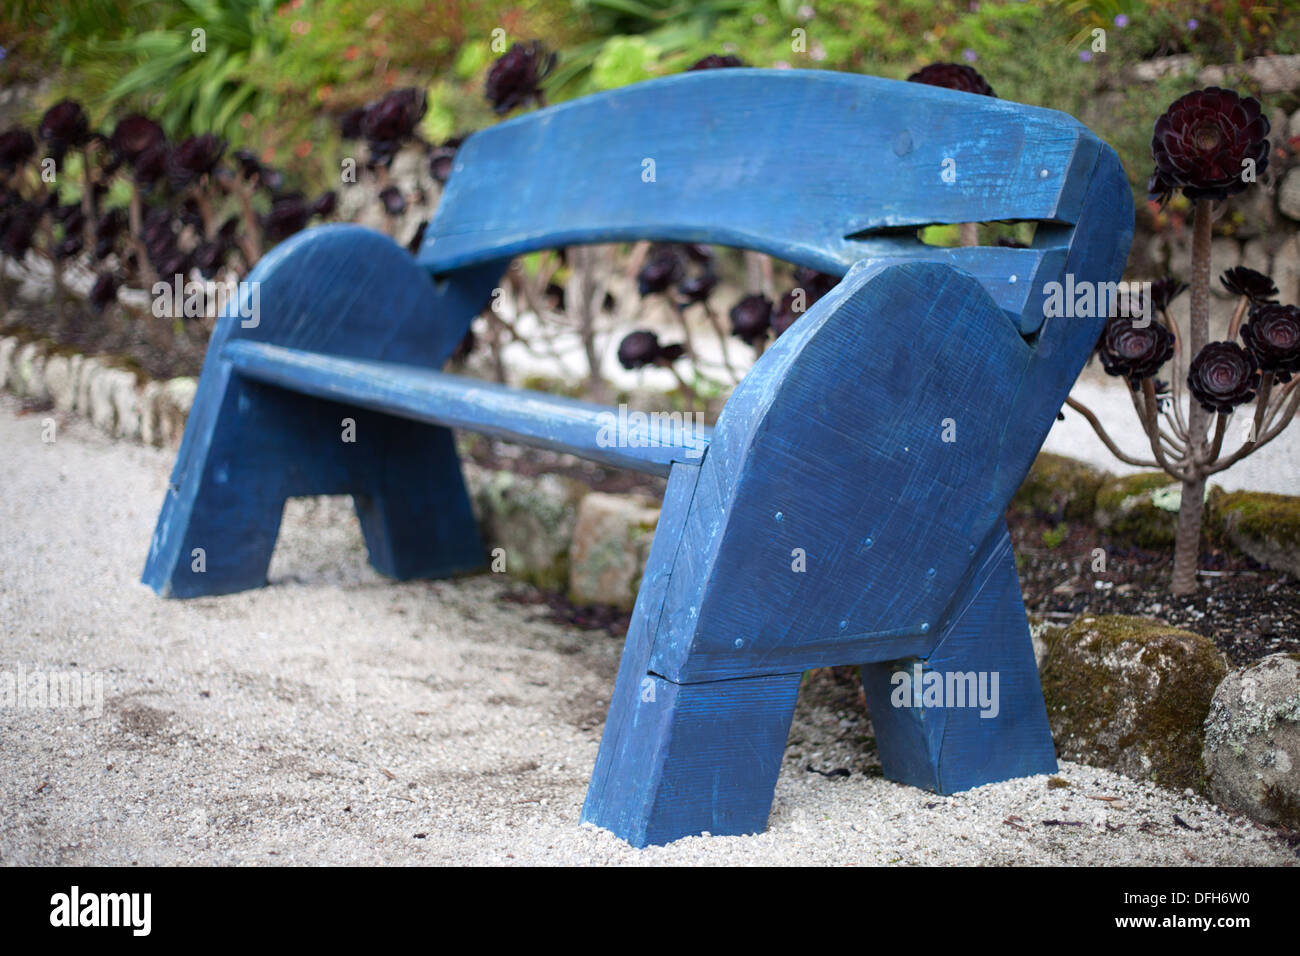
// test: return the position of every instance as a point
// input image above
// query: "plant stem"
(1237, 315)
(1092, 420)
(1191, 510)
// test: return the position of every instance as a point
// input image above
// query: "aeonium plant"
(1210, 144)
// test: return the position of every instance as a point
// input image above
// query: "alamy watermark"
(22, 689)
(181, 299)
(1086, 300)
(634, 429)
(923, 688)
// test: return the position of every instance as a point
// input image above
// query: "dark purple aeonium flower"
(350, 123)
(210, 256)
(16, 147)
(104, 292)
(1159, 189)
(787, 311)
(662, 267)
(1206, 140)
(1272, 335)
(1133, 351)
(394, 117)
(18, 228)
(1223, 376)
(517, 76)
(64, 126)
(196, 157)
(1255, 286)
(697, 288)
(641, 348)
(325, 204)
(716, 61)
(151, 166)
(953, 76)
(393, 200)
(442, 158)
(247, 163)
(133, 136)
(815, 284)
(751, 317)
(1164, 291)
(113, 222)
(289, 214)
(68, 247)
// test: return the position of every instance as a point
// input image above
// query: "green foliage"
(1054, 537)
(190, 81)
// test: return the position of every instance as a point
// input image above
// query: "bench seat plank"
(518, 415)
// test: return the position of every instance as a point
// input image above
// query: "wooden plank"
(247, 446)
(831, 456)
(958, 741)
(531, 418)
(789, 162)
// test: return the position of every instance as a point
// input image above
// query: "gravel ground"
(335, 717)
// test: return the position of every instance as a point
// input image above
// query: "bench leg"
(930, 732)
(262, 445)
(415, 512)
(683, 759)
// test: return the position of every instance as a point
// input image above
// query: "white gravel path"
(335, 717)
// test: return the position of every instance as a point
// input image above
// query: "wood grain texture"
(790, 162)
(338, 290)
(833, 448)
(953, 747)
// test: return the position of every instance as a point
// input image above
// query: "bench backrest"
(831, 171)
(818, 168)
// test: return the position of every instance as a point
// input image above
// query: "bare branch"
(1106, 439)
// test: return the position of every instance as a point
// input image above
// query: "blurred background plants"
(278, 73)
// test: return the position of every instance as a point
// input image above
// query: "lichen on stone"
(1131, 694)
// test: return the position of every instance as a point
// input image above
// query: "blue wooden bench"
(831, 447)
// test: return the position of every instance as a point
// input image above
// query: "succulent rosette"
(196, 157)
(288, 214)
(662, 267)
(16, 147)
(1164, 291)
(64, 126)
(1206, 140)
(1255, 286)
(394, 117)
(1223, 376)
(133, 136)
(1134, 351)
(641, 348)
(716, 61)
(696, 288)
(953, 76)
(751, 317)
(1272, 335)
(517, 76)
(442, 159)
(104, 292)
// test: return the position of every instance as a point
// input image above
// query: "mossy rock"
(1264, 526)
(1139, 509)
(611, 544)
(1252, 741)
(1131, 695)
(1060, 485)
(531, 519)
